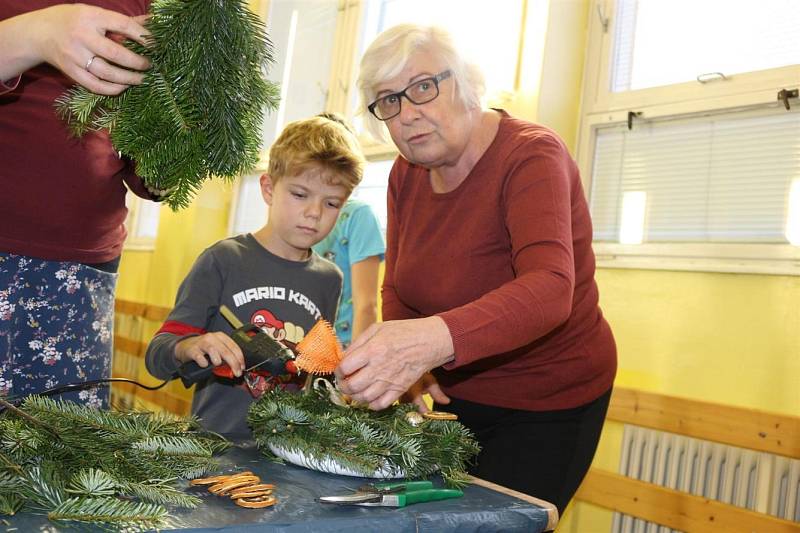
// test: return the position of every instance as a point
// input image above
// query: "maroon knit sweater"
(506, 260)
(62, 198)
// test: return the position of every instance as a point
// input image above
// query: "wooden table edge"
(552, 511)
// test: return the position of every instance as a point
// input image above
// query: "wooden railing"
(130, 344)
(745, 428)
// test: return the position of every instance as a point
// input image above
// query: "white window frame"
(236, 204)
(346, 59)
(379, 156)
(602, 107)
(134, 241)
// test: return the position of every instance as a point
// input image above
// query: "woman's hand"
(83, 42)
(219, 347)
(426, 385)
(390, 357)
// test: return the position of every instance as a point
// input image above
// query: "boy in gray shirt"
(270, 278)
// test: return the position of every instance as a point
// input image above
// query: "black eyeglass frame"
(435, 79)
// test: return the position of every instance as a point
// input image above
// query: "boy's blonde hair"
(317, 141)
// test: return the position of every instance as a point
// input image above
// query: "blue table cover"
(481, 509)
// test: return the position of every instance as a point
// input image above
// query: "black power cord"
(70, 387)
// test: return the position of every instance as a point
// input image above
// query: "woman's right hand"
(72, 36)
(390, 357)
(219, 348)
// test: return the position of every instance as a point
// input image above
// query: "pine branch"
(92, 482)
(172, 445)
(10, 503)
(199, 110)
(22, 414)
(161, 493)
(197, 468)
(9, 482)
(14, 448)
(99, 457)
(360, 439)
(108, 510)
(45, 487)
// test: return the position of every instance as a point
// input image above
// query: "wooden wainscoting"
(744, 428)
(134, 325)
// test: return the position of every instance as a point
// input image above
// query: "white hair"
(390, 51)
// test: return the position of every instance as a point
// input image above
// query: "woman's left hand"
(84, 43)
(427, 384)
(388, 358)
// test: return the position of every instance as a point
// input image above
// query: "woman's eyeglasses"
(420, 92)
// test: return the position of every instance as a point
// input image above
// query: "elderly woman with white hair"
(489, 298)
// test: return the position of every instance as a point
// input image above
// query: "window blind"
(717, 179)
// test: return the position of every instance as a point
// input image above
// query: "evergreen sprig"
(92, 482)
(80, 463)
(199, 111)
(161, 492)
(359, 439)
(109, 510)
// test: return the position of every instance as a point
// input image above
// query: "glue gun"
(262, 354)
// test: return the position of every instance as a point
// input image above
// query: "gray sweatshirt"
(285, 298)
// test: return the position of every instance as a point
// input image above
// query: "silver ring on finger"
(89, 63)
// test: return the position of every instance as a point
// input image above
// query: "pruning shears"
(397, 494)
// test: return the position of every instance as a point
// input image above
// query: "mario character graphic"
(269, 324)
(283, 332)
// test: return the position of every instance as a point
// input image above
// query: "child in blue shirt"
(356, 246)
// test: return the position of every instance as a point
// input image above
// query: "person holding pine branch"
(74, 39)
(271, 278)
(197, 113)
(63, 202)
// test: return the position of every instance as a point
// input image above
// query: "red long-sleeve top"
(506, 261)
(62, 198)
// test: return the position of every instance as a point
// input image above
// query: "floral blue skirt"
(56, 325)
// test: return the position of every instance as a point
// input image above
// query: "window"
(373, 187)
(725, 37)
(303, 35)
(499, 26)
(497, 51)
(689, 158)
(141, 223)
(249, 212)
(707, 179)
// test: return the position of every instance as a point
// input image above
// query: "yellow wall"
(153, 277)
(725, 338)
(549, 80)
(732, 339)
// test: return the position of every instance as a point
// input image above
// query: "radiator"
(758, 481)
